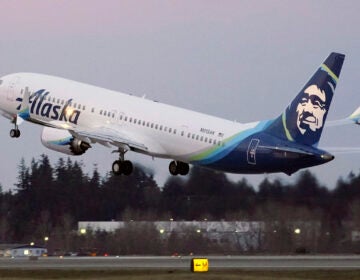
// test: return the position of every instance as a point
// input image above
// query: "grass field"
(179, 275)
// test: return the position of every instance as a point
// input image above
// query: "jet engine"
(62, 141)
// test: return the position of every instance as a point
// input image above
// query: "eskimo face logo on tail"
(38, 106)
(305, 117)
(311, 109)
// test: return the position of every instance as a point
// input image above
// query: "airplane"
(76, 115)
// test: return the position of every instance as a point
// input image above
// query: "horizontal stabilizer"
(340, 122)
(343, 150)
(353, 118)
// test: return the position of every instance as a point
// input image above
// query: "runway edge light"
(199, 265)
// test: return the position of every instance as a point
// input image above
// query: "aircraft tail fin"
(303, 120)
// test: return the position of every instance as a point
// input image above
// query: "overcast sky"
(240, 60)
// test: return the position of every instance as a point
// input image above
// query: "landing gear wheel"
(183, 168)
(14, 133)
(127, 167)
(117, 167)
(173, 168)
(122, 167)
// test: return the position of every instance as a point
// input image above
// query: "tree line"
(49, 200)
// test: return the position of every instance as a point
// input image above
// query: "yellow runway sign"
(199, 265)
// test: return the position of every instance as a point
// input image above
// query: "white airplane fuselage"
(99, 107)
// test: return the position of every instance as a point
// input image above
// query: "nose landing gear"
(15, 132)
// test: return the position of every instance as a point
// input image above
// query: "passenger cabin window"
(1, 82)
(92, 110)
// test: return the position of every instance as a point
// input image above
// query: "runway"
(181, 263)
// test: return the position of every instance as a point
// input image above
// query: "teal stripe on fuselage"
(230, 144)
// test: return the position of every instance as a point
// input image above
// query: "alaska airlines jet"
(75, 116)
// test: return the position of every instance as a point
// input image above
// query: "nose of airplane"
(6, 93)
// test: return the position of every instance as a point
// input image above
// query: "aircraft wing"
(109, 137)
(106, 136)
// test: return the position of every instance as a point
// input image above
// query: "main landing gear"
(178, 168)
(122, 166)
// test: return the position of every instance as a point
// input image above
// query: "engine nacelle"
(62, 141)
